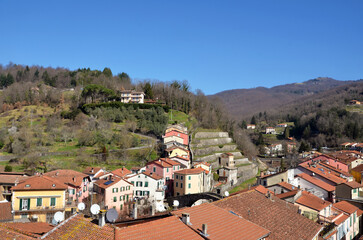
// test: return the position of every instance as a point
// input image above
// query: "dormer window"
(27, 185)
(53, 185)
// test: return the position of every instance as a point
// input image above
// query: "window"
(120, 198)
(121, 207)
(350, 220)
(114, 199)
(146, 184)
(355, 190)
(354, 216)
(178, 167)
(127, 198)
(133, 183)
(140, 184)
(173, 167)
(52, 201)
(146, 193)
(189, 185)
(190, 177)
(24, 204)
(137, 184)
(181, 177)
(167, 169)
(177, 176)
(167, 178)
(176, 184)
(123, 197)
(39, 202)
(154, 169)
(181, 185)
(177, 194)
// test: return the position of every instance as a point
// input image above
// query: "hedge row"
(86, 107)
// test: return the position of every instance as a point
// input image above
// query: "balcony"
(6, 192)
(40, 209)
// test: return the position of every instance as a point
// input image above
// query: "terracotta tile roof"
(353, 184)
(135, 168)
(317, 182)
(228, 154)
(32, 229)
(161, 229)
(176, 147)
(171, 162)
(359, 212)
(345, 207)
(106, 183)
(281, 218)
(91, 170)
(152, 175)
(78, 227)
(287, 185)
(68, 176)
(311, 201)
(9, 234)
(5, 211)
(160, 163)
(121, 172)
(324, 174)
(341, 219)
(258, 188)
(334, 170)
(218, 219)
(11, 179)
(287, 194)
(39, 183)
(204, 163)
(180, 157)
(191, 171)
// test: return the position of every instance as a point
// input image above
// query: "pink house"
(178, 133)
(78, 184)
(165, 168)
(114, 192)
(333, 162)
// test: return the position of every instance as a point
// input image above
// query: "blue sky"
(215, 45)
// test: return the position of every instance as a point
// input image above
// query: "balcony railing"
(40, 209)
(6, 192)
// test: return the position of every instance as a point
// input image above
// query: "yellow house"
(38, 198)
(177, 151)
(357, 173)
(189, 181)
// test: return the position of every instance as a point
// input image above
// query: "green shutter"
(127, 198)
(52, 202)
(21, 204)
(28, 203)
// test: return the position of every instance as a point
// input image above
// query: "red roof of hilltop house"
(358, 168)
(31, 229)
(67, 176)
(218, 220)
(325, 174)
(91, 170)
(286, 185)
(182, 158)
(171, 162)
(311, 201)
(287, 194)
(164, 162)
(121, 172)
(106, 183)
(353, 184)
(152, 175)
(161, 229)
(40, 183)
(272, 213)
(170, 149)
(317, 182)
(5, 211)
(228, 154)
(345, 207)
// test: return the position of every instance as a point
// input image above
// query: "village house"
(270, 130)
(354, 102)
(281, 187)
(38, 198)
(177, 133)
(184, 162)
(131, 96)
(172, 141)
(176, 127)
(6, 214)
(8, 180)
(114, 192)
(174, 151)
(357, 173)
(206, 166)
(165, 168)
(267, 180)
(349, 190)
(96, 173)
(273, 149)
(228, 175)
(121, 172)
(77, 182)
(281, 125)
(348, 225)
(316, 186)
(226, 160)
(189, 181)
(251, 126)
(150, 186)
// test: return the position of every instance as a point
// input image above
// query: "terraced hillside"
(207, 146)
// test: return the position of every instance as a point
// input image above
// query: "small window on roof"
(27, 185)
(53, 185)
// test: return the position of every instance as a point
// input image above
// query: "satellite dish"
(111, 215)
(95, 209)
(58, 217)
(176, 203)
(142, 201)
(226, 193)
(81, 206)
(54, 222)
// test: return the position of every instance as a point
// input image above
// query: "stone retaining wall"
(210, 150)
(211, 135)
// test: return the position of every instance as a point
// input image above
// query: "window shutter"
(21, 204)
(28, 203)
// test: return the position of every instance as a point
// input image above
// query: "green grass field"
(244, 185)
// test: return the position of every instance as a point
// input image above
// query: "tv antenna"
(95, 209)
(58, 217)
(81, 206)
(111, 215)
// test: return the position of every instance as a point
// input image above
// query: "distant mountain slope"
(243, 103)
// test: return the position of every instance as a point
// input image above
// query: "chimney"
(204, 230)
(74, 179)
(186, 218)
(152, 210)
(262, 174)
(57, 173)
(101, 218)
(92, 170)
(134, 214)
